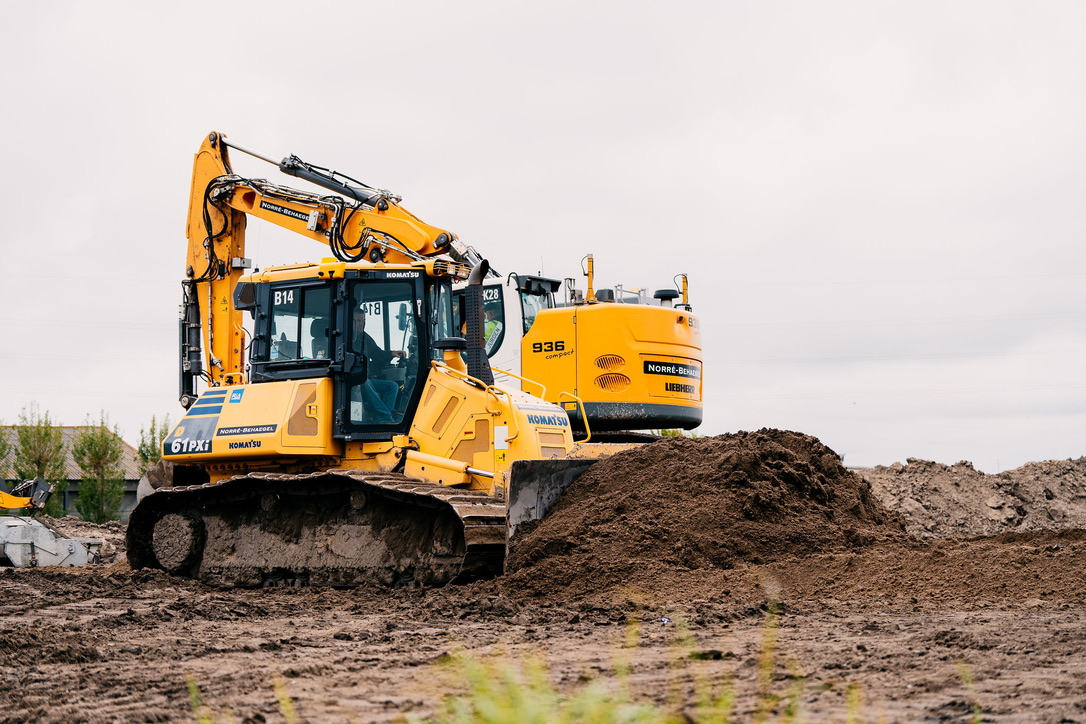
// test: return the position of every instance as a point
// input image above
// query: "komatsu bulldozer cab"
(371, 331)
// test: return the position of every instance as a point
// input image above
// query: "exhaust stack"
(475, 317)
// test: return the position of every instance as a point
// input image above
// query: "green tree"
(150, 447)
(5, 451)
(5, 468)
(40, 453)
(98, 450)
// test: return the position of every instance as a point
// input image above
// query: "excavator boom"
(369, 225)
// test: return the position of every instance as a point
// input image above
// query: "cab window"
(299, 323)
(441, 319)
(531, 305)
(493, 317)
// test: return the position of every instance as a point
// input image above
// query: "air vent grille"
(610, 362)
(613, 382)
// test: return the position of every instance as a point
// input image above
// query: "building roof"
(129, 457)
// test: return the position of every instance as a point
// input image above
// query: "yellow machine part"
(222, 331)
(12, 502)
(634, 366)
(271, 419)
(298, 212)
(469, 434)
(466, 433)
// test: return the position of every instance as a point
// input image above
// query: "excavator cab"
(635, 362)
(510, 313)
(536, 294)
(496, 318)
(368, 333)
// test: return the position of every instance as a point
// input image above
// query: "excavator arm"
(356, 221)
(27, 494)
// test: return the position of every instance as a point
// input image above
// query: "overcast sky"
(879, 204)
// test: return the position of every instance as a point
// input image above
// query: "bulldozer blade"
(535, 485)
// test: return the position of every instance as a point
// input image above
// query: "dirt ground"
(873, 585)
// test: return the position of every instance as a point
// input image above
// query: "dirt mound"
(958, 501)
(1006, 568)
(640, 517)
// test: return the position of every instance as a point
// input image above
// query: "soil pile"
(641, 516)
(958, 501)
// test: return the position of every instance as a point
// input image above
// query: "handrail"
(542, 388)
(453, 372)
(490, 389)
(584, 415)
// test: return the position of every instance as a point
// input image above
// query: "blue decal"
(235, 396)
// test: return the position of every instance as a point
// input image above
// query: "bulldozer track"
(336, 527)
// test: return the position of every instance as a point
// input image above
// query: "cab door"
(384, 346)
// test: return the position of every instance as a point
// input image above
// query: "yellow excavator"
(28, 494)
(356, 434)
(633, 360)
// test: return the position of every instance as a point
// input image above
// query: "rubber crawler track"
(337, 527)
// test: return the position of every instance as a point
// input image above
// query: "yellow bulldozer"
(354, 432)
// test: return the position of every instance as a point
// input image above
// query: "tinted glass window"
(441, 320)
(493, 314)
(531, 305)
(383, 337)
(299, 323)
